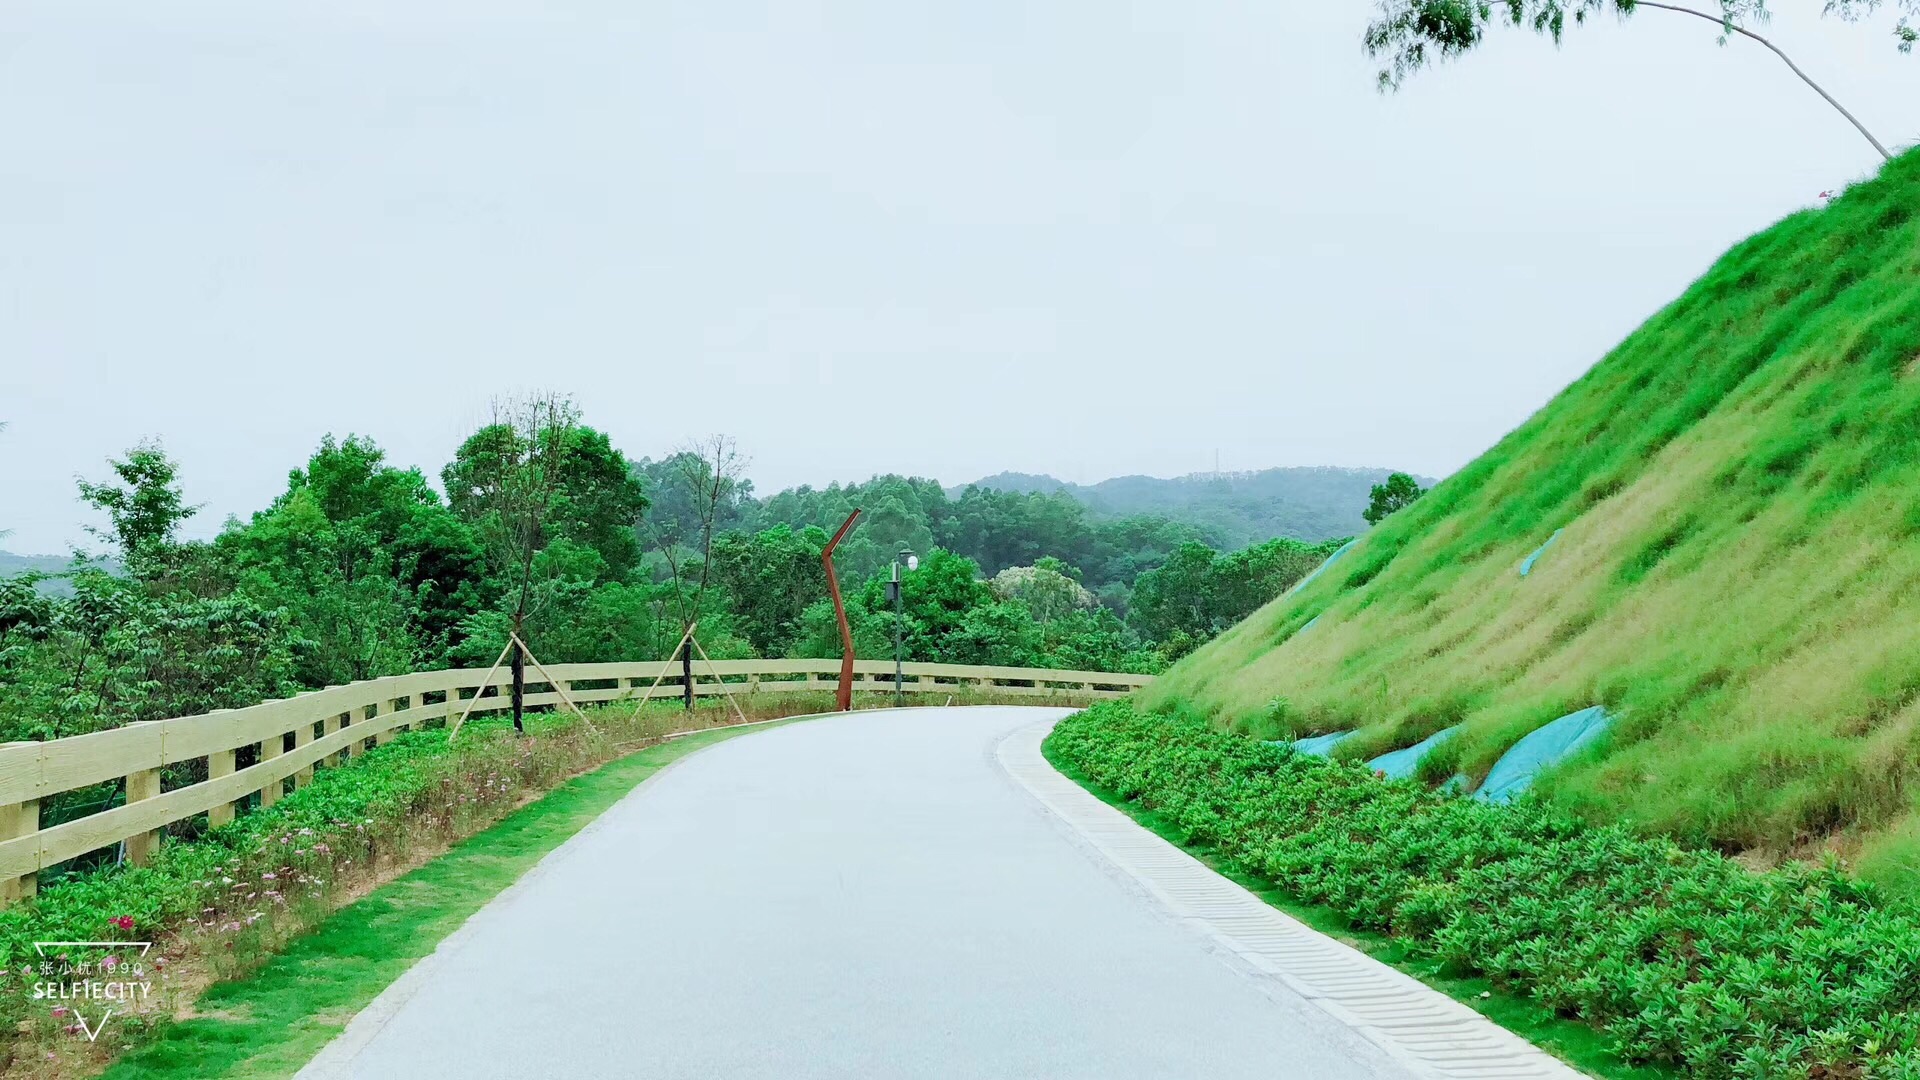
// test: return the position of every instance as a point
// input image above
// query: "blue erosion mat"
(1526, 565)
(1550, 745)
(1400, 764)
(1322, 568)
(1322, 745)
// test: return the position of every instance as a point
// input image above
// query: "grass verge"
(270, 1023)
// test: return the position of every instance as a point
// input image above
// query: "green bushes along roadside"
(1683, 957)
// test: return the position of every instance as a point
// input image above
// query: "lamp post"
(899, 618)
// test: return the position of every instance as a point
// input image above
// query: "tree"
(506, 480)
(1412, 34)
(770, 578)
(1198, 592)
(1047, 589)
(146, 508)
(377, 573)
(999, 632)
(600, 502)
(1175, 600)
(349, 615)
(1095, 640)
(1396, 494)
(701, 486)
(1245, 580)
(25, 615)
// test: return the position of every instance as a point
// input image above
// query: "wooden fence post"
(354, 748)
(272, 747)
(219, 764)
(20, 819)
(385, 737)
(142, 784)
(303, 735)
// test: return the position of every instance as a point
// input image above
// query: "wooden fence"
(284, 740)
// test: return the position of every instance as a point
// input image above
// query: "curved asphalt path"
(862, 896)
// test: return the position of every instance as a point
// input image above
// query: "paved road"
(862, 896)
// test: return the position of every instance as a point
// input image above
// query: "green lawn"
(274, 1021)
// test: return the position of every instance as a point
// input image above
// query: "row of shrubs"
(1683, 957)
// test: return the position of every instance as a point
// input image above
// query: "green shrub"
(1683, 957)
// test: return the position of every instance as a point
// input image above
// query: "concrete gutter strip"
(1427, 1031)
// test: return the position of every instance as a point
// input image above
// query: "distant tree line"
(360, 568)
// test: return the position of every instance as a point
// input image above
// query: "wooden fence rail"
(286, 739)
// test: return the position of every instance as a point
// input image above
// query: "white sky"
(1076, 238)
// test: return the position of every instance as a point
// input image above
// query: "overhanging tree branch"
(1730, 26)
(1411, 35)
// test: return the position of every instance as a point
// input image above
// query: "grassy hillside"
(1310, 504)
(1738, 577)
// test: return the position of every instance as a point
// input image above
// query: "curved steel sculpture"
(843, 697)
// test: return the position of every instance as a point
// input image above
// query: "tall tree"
(145, 507)
(1398, 493)
(1050, 589)
(506, 479)
(1411, 34)
(700, 488)
(769, 578)
(601, 502)
(377, 573)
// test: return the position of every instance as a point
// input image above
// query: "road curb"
(1430, 1033)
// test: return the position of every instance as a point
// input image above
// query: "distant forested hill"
(11, 564)
(1244, 508)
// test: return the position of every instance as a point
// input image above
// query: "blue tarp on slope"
(1400, 764)
(1322, 745)
(1322, 568)
(1516, 769)
(1526, 565)
(1308, 626)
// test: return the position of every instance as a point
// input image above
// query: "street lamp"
(899, 618)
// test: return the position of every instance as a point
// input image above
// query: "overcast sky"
(1086, 239)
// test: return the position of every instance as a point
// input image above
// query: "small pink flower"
(59, 1010)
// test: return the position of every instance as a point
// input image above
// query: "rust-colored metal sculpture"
(843, 697)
